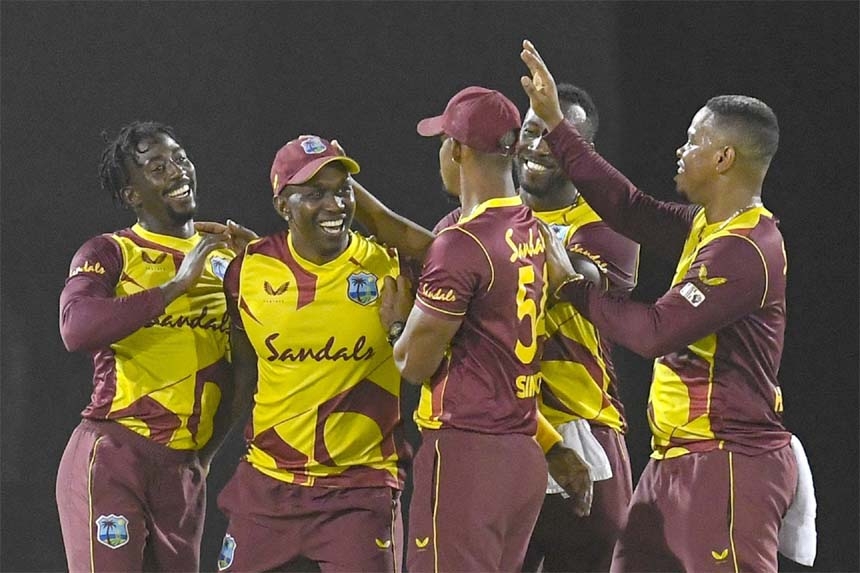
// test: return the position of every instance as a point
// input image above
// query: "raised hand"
(540, 87)
(559, 268)
(192, 266)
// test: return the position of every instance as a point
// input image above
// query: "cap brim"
(431, 127)
(307, 172)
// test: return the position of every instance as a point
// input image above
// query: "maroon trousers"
(280, 526)
(710, 511)
(475, 500)
(129, 504)
(563, 541)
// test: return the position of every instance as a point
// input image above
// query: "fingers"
(210, 227)
(336, 144)
(403, 283)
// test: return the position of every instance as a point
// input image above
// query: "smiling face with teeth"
(162, 186)
(319, 213)
(541, 178)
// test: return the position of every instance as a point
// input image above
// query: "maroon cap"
(300, 159)
(477, 117)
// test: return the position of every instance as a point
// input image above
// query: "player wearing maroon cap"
(146, 302)
(473, 337)
(325, 464)
(722, 473)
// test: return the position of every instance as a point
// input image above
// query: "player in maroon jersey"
(474, 337)
(722, 473)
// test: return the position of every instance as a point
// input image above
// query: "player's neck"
(486, 186)
(552, 200)
(181, 230)
(728, 207)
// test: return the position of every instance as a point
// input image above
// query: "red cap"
(477, 117)
(300, 159)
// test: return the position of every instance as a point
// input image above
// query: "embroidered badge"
(219, 266)
(362, 288)
(710, 281)
(693, 295)
(275, 291)
(228, 550)
(313, 145)
(560, 231)
(112, 530)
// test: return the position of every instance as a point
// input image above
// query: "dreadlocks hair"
(113, 175)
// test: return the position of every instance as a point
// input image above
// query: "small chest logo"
(153, 260)
(275, 290)
(219, 266)
(362, 288)
(560, 231)
(228, 550)
(112, 530)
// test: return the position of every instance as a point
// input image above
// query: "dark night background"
(238, 79)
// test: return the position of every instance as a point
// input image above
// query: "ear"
(456, 151)
(725, 158)
(280, 205)
(129, 196)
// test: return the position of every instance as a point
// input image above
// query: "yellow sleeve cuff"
(546, 436)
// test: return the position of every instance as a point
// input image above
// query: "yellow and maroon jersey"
(157, 371)
(579, 378)
(488, 271)
(327, 405)
(717, 334)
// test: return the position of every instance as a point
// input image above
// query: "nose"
(535, 143)
(334, 201)
(176, 168)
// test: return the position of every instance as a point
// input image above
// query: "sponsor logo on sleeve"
(112, 530)
(692, 293)
(362, 288)
(720, 555)
(439, 294)
(228, 550)
(88, 267)
(422, 543)
(383, 544)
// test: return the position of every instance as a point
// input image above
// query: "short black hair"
(752, 120)
(113, 174)
(570, 94)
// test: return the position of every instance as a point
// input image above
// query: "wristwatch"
(394, 331)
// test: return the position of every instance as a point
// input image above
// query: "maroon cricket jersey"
(717, 333)
(488, 271)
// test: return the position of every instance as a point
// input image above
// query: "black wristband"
(394, 331)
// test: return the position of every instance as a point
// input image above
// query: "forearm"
(625, 208)
(411, 239)
(90, 322)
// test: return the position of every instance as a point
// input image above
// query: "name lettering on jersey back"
(438, 294)
(534, 246)
(88, 267)
(328, 352)
(202, 320)
(528, 385)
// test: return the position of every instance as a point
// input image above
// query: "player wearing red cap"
(473, 338)
(325, 464)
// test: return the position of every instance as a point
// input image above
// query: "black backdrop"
(237, 79)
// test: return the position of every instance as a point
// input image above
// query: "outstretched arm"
(411, 239)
